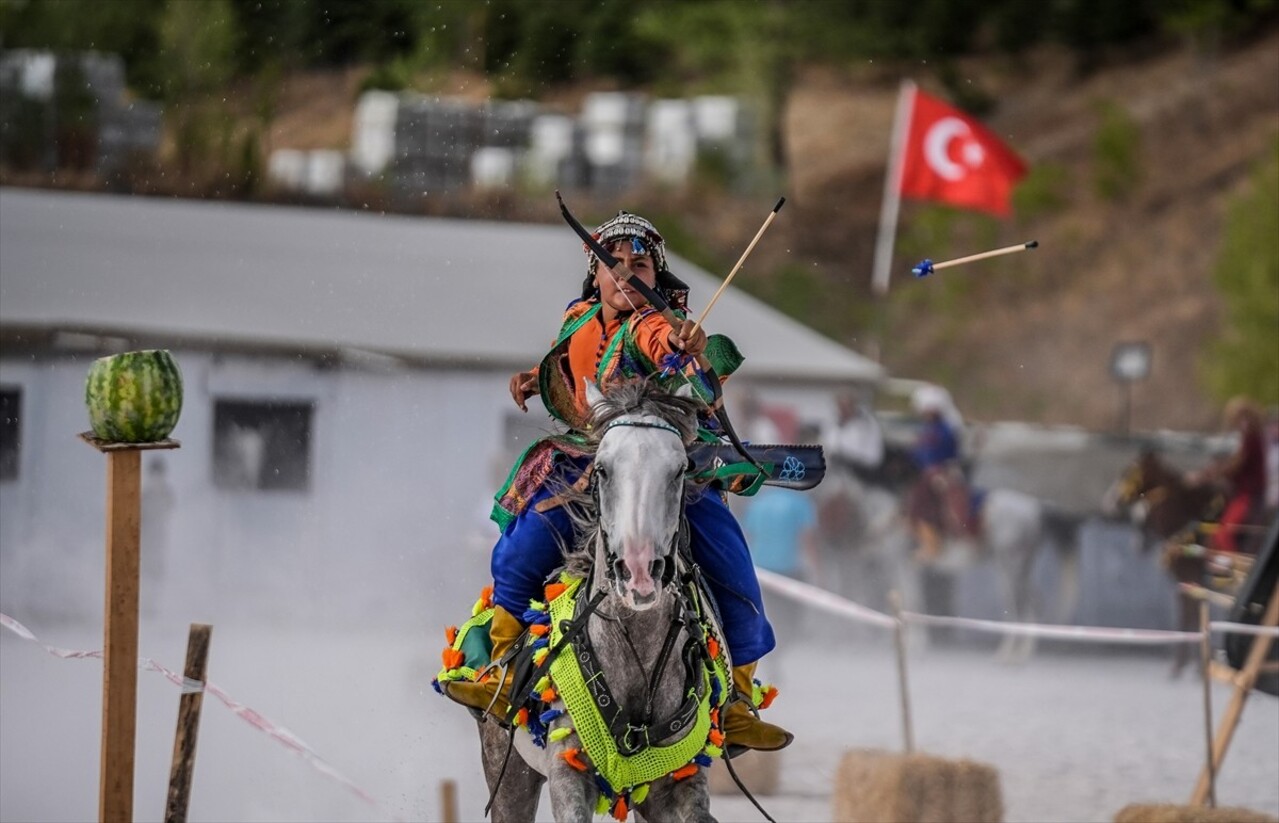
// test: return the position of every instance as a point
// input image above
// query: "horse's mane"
(639, 397)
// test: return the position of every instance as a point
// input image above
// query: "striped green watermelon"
(134, 397)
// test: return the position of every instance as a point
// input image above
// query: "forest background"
(1151, 129)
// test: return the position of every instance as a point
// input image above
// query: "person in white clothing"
(854, 441)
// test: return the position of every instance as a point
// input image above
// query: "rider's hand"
(523, 386)
(688, 337)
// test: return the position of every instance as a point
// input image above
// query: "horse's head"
(641, 432)
(1146, 485)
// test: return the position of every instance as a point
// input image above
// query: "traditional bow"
(657, 301)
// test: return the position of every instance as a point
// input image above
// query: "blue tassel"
(715, 689)
(541, 642)
(703, 759)
(602, 785)
(435, 684)
(550, 715)
(535, 616)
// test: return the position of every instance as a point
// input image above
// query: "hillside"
(1027, 336)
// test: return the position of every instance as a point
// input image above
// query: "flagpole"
(891, 203)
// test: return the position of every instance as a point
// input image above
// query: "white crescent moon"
(937, 142)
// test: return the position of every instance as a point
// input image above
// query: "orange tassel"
(769, 697)
(486, 595)
(715, 717)
(453, 658)
(684, 771)
(521, 717)
(554, 590)
(450, 635)
(712, 646)
(571, 757)
(548, 696)
(716, 737)
(619, 809)
(538, 629)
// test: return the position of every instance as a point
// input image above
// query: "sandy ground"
(1075, 736)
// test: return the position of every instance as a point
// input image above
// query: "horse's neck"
(1180, 505)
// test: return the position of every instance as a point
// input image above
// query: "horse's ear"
(686, 391)
(594, 396)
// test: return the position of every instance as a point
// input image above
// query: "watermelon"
(134, 397)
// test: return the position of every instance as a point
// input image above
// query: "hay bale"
(760, 772)
(873, 786)
(1172, 813)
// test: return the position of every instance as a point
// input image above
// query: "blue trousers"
(529, 551)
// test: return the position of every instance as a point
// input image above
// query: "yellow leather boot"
(493, 693)
(929, 543)
(742, 728)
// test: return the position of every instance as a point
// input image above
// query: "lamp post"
(1129, 362)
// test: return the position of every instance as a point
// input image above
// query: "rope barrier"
(835, 604)
(255, 719)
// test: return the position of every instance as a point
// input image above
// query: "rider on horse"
(938, 503)
(609, 334)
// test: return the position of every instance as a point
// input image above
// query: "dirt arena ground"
(1075, 735)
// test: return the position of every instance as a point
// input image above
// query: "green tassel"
(543, 684)
(602, 805)
(639, 795)
(539, 656)
(537, 605)
(559, 734)
(713, 750)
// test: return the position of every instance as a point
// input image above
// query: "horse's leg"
(685, 801)
(1068, 586)
(517, 796)
(573, 793)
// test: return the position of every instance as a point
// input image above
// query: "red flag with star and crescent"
(950, 157)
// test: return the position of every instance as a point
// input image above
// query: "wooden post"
(120, 625)
(1205, 659)
(899, 638)
(448, 801)
(188, 730)
(1243, 687)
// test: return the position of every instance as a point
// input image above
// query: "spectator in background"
(937, 503)
(781, 529)
(1272, 464)
(1242, 474)
(854, 442)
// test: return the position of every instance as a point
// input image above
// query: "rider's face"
(620, 297)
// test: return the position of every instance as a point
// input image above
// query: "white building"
(346, 415)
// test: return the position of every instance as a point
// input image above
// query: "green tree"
(1245, 358)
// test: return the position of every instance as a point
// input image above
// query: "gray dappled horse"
(629, 549)
(877, 551)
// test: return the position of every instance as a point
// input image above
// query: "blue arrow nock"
(924, 268)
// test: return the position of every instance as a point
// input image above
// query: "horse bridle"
(682, 535)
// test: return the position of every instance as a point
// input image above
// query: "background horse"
(628, 548)
(875, 549)
(1158, 501)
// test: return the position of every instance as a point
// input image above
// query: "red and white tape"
(835, 604)
(273, 730)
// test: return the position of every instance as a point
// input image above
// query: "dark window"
(10, 432)
(261, 444)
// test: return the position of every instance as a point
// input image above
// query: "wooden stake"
(120, 625)
(1243, 687)
(184, 740)
(448, 801)
(1205, 656)
(899, 638)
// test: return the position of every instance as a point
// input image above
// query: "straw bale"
(1172, 813)
(759, 772)
(873, 786)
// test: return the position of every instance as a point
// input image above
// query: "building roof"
(431, 290)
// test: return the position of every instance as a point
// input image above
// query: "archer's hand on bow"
(688, 337)
(524, 386)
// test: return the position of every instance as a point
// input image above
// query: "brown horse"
(1167, 509)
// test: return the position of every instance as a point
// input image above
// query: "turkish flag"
(950, 157)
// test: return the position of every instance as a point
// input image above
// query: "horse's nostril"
(620, 572)
(656, 568)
